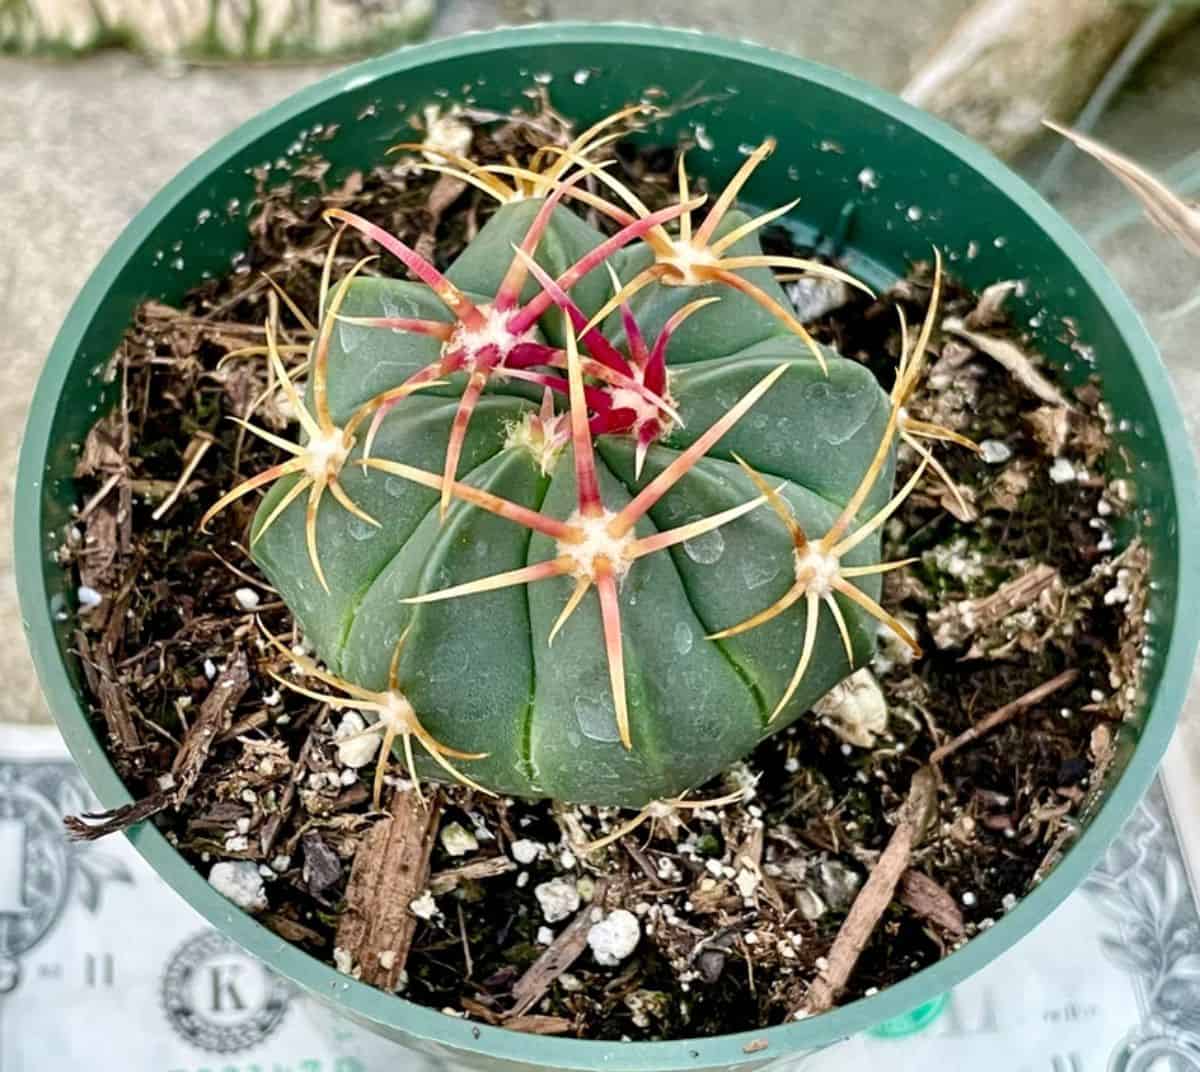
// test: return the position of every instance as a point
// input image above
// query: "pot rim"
(365, 1002)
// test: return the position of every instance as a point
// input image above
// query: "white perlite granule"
(614, 938)
(423, 907)
(525, 851)
(355, 748)
(558, 898)
(1062, 471)
(240, 882)
(855, 709)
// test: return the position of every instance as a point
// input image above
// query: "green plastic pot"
(879, 180)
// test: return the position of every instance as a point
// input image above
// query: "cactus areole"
(586, 516)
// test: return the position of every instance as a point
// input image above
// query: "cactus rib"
(818, 569)
(694, 259)
(487, 336)
(594, 546)
(394, 713)
(327, 446)
(649, 395)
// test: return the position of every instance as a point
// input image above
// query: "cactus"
(602, 544)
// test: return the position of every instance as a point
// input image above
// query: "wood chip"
(270, 829)
(558, 957)
(102, 677)
(540, 1025)
(445, 881)
(954, 624)
(876, 893)
(931, 902)
(391, 869)
(214, 718)
(1003, 714)
(1012, 358)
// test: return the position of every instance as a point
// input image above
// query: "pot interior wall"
(871, 185)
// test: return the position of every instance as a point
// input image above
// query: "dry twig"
(876, 894)
(1003, 714)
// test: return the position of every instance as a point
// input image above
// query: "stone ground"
(84, 145)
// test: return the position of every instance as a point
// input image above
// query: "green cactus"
(587, 600)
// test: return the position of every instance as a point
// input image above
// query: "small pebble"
(545, 936)
(457, 840)
(994, 452)
(88, 597)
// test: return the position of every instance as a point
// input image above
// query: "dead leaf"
(931, 902)
(1006, 353)
(990, 312)
(1050, 425)
(1166, 209)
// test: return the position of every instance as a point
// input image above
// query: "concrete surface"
(83, 147)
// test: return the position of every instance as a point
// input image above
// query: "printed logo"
(35, 871)
(219, 998)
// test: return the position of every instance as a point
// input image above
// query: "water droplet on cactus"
(683, 638)
(596, 719)
(756, 572)
(349, 335)
(396, 487)
(705, 549)
(839, 414)
(360, 530)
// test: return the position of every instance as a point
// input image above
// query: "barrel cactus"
(601, 515)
